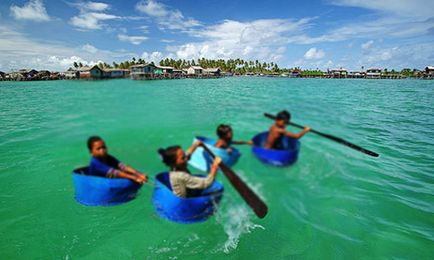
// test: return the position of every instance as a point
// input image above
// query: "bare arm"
(193, 148)
(140, 179)
(215, 166)
(130, 170)
(243, 142)
(297, 135)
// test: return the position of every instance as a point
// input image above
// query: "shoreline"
(204, 78)
(150, 71)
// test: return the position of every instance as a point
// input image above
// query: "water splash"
(236, 218)
(236, 221)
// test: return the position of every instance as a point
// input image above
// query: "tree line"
(232, 65)
(238, 65)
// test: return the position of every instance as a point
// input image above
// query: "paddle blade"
(249, 196)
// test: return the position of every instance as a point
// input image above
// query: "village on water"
(204, 68)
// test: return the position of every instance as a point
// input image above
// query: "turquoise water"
(334, 202)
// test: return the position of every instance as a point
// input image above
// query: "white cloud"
(416, 55)
(34, 10)
(264, 39)
(90, 6)
(152, 8)
(69, 61)
(132, 39)
(397, 19)
(313, 59)
(405, 8)
(166, 17)
(367, 44)
(91, 21)
(64, 62)
(271, 30)
(329, 63)
(18, 51)
(167, 40)
(378, 56)
(144, 28)
(155, 56)
(314, 54)
(391, 27)
(95, 6)
(89, 48)
(314, 64)
(91, 15)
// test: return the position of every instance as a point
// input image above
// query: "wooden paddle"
(249, 196)
(334, 138)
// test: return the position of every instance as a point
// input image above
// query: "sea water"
(333, 203)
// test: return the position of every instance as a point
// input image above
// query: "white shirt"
(180, 181)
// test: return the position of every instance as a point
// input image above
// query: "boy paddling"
(277, 131)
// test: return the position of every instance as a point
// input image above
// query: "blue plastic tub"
(100, 191)
(185, 210)
(201, 160)
(284, 157)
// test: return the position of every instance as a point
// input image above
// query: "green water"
(334, 203)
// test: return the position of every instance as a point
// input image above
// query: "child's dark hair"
(168, 155)
(223, 130)
(284, 115)
(91, 140)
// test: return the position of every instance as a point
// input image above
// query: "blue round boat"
(285, 157)
(100, 191)
(188, 210)
(201, 160)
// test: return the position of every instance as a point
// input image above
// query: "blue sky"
(322, 34)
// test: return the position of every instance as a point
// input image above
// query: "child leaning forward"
(104, 165)
(180, 178)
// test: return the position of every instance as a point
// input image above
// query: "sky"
(323, 34)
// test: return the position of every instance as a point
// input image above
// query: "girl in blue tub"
(180, 178)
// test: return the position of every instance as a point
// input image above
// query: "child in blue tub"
(104, 165)
(225, 135)
(277, 131)
(181, 180)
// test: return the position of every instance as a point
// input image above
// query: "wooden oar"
(334, 138)
(249, 196)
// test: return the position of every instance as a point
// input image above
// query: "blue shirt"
(105, 167)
